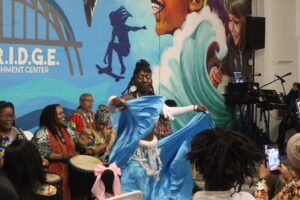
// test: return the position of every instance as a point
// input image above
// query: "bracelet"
(195, 108)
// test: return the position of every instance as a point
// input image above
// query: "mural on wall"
(201, 61)
(52, 51)
(120, 31)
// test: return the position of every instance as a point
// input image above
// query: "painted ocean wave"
(184, 67)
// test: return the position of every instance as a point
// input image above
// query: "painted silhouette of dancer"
(120, 30)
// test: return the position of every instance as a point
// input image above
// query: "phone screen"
(238, 77)
(298, 105)
(273, 158)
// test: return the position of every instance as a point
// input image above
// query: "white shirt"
(222, 195)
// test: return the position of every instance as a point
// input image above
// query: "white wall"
(281, 53)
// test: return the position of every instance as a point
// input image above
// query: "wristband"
(195, 108)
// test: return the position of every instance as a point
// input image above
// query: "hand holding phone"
(273, 158)
(298, 106)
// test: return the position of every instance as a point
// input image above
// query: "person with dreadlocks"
(225, 158)
(156, 167)
(56, 143)
(140, 85)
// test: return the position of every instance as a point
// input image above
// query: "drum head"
(85, 162)
(52, 178)
(46, 190)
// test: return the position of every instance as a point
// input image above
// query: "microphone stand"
(263, 111)
(282, 81)
(278, 78)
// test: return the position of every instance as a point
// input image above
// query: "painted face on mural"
(143, 82)
(7, 118)
(237, 27)
(170, 14)
(87, 102)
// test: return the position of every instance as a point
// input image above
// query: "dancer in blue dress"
(157, 168)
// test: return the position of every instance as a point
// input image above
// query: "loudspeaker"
(255, 32)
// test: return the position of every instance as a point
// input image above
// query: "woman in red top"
(55, 143)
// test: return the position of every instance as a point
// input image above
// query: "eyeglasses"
(7, 117)
(89, 100)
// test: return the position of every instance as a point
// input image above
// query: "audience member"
(55, 143)
(8, 131)
(226, 159)
(105, 134)
(102, 136)
(83, 118)
(23, 167)
(82, 121)
(7, 189)
(291, 178)
(290, 116)
(107, 183)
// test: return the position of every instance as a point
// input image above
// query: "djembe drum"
(55, 180)
(81, 174)
(46, 192)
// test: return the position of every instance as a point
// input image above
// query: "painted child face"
(237, 27)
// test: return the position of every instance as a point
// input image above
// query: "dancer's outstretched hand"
(200, 109)
(118, 103)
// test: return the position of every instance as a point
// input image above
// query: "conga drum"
(55, 180)
(46, 192)
(81, 174)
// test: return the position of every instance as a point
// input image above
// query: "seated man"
(82, 120)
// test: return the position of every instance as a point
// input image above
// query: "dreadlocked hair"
(141, 65)
(225, 158)
(48, 118)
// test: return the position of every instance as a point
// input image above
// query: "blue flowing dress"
(135, 123)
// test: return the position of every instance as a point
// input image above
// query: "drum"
(55, 180)
(81, 174)
(46, 192)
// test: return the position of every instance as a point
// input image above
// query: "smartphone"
(238, 77)
(298, 105)
(272, 157)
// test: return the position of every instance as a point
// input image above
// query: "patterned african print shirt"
(290, 192)
(6, 141)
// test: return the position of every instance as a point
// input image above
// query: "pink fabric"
(98, 188)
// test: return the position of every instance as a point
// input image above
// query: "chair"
(135, 195)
